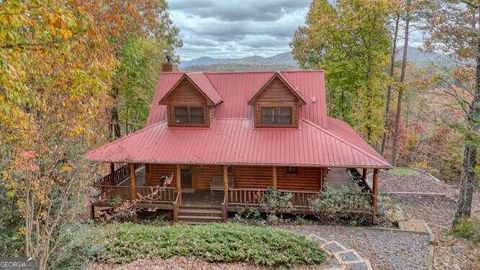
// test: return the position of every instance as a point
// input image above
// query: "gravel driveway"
(438, 212)
(384, 248)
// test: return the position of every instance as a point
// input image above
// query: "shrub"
(467, 228)
(248, 214)
(124, 243)
(275, 201)
(347, 203)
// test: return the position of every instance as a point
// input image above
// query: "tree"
(454, 30)
(57, 63)
(128, 20)
(136, 79)
(398, 113)
(350, 41)
(390, 74)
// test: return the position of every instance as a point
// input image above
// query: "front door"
(186, 178)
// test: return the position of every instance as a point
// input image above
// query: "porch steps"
(199, 215)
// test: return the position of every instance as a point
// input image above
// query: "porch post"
(364, 174)
(225, 193)
(225, 179)
(133, 186)
(112, 168)
(133, 181)
(112, 179)
(274, 173)
(92, 212)
(178, 178)
(320, 180)
(374, 195)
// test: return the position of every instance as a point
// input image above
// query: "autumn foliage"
(58, 60)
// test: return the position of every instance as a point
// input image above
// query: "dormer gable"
(190, 101)
(200, 83)
(277, 88)
(276, 104)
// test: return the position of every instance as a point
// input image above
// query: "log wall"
(244, 176)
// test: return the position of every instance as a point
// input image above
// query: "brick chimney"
(169, 66)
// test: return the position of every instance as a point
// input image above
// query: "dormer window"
(276, 115)
(276, 104)
(189, 116)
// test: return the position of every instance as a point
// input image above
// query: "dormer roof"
(200, 82)
(278, 75)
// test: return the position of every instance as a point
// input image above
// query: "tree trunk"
(115, 123)
(400, 90)
(467, 179)
(389, 89)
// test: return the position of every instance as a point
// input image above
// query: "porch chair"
(217, 183)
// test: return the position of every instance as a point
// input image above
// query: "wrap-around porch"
(173, 186)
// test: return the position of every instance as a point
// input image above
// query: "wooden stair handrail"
(176, 206)
(224, 206)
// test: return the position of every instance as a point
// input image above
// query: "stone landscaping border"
(414, 193)
(345, 258)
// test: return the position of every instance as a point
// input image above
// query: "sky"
(240, 28)
(236, 28)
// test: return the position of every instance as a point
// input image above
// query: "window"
(189, 115)
(292, 170)
(276, 115)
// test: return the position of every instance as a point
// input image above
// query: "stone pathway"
(343, 258)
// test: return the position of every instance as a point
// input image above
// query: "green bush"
(338, 205)
(275, 201)
(124, 243)
(467, 228)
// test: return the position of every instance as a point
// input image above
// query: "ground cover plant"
(468, 228)
(124, 243)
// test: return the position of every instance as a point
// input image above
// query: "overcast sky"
(239, 28)
(236, 28)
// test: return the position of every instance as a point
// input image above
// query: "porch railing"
(156, 194)
(254, 197)
(145, 194)
(357, 178)
(110, 193)
(118, 176)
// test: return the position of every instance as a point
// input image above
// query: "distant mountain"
(420, 58)
(279, 61)
(285, 61)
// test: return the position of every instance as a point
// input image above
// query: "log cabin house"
(215, 141)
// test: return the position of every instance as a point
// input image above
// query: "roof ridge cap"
(126, 136)
(342, 140)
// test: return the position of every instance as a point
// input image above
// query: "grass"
(399, 171)
(468, 228)
(124, 243)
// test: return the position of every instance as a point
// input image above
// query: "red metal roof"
(232, 139)
(237, 142)
(237, 88)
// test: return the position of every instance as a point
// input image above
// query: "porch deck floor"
(202, 198)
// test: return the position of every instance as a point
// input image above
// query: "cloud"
(236, 28)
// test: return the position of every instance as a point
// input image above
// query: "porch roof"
(234, 141)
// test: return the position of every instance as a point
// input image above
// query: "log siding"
(308, 179)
